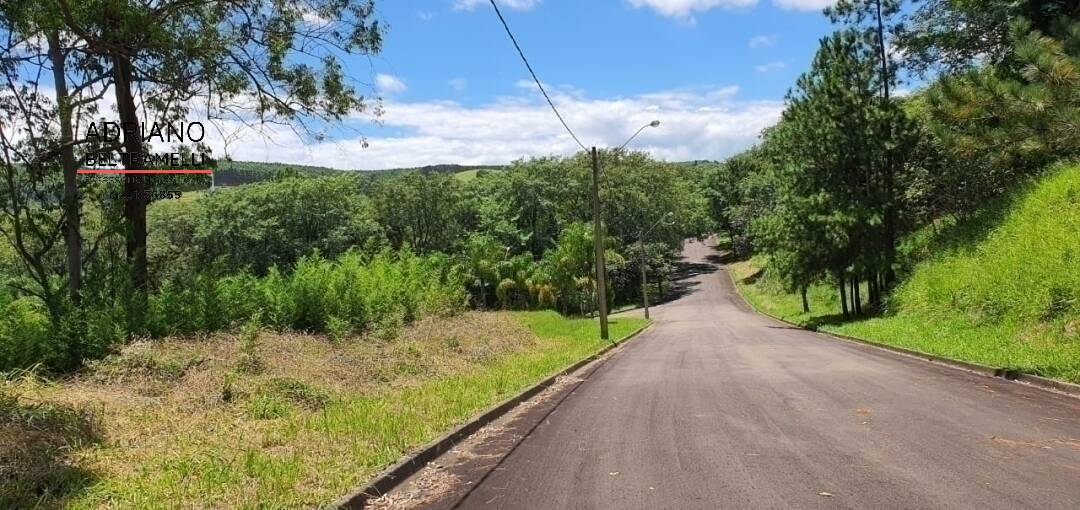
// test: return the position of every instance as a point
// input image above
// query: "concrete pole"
(598, 241)
(644, 284)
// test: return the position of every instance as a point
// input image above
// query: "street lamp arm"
(598, 237)
(654, 123)
(662, 218)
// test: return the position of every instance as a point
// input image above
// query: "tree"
(738, 191)
(830, 200)
(250, 60)
(274, 224)
(547, 194)
(806, 231)
(420, 210)
(871, 18)
(516, 287)
(38, 46)
(1011, 124)
(955, 35)
(32, 221)
(490, 211)
(482, 257)
(565, 276)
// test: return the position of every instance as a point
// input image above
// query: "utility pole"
(641, 243)
(598, 242)
(644, 285)
(598, 234)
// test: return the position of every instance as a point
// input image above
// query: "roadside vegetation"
(998, 288)
(279, 339)
(257, 418)
(952, 228)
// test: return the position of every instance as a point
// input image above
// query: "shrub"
(26, 336)
(250, 360)
(338, 329)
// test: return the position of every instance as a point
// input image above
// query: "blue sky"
(714, 72)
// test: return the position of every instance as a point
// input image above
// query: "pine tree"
(874, 21)
(829, 157)
(1014, 122)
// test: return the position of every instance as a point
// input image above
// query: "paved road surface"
(717, 407)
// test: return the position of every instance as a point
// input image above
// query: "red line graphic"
(166, 171)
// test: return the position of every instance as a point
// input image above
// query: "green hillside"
(1000, 288)
(233, 173)
(466, 175)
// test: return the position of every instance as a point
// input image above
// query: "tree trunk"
(877, 290)
(855, 295)
(871, 290)
(72, 217)
(843, 297)
(134, 186)
(805, 303)
(890, 206)
(851, 297)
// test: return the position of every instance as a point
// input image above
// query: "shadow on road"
(682, 281)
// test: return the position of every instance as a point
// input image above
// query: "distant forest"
(235, 173)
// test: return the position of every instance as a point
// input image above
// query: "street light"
(652, 124)
(598, 234)
(641, 244)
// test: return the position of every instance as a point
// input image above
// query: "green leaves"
(829, 163)
(1012, 120)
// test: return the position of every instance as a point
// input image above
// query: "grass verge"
(1002, 345)
(183, 426)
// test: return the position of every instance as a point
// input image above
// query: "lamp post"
(598, 234)
(641, 244)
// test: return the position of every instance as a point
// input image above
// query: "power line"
(535, 79)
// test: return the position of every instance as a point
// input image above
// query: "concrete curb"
(1053, 385)
(408, 466)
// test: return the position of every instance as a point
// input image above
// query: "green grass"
(1001, 288)
(284, 443)
(466, 175)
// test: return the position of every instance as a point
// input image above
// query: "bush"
(26, 336)
(352, 293)
(250, 360)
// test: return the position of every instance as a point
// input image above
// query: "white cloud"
(762, 40)
(520, 5)
(696, 123)
(771, 66)
(389, 84)
(458, 84)
(425, 15)
(803, 5)
(683, 10)
(313, 18)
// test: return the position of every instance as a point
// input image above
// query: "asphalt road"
(718, 407)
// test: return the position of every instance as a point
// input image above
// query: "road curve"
(718, 407)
